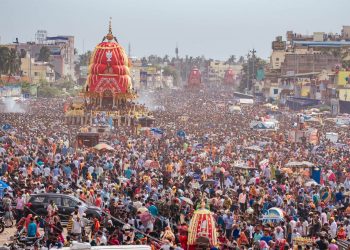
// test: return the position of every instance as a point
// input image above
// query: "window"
(56, 200)
(38, 199)
(277, 59)
(275, 91)
(67, 202)
(36, 73)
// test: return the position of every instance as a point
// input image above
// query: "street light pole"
(253, 51)
(248, 59)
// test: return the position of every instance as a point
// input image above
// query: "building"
(136, 72)
(217, 69)
(36, 71)
(301, 62)
(61, 48)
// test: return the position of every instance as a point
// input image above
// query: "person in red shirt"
(95, 227)
(98, 201)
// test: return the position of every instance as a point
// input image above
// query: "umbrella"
(142, 209)
(254, 148)
(181, 133)
(148, 163)
(209, 181)
(103, 146)
(310, 183)
(154, 164)
(299, 164)
(187, 200)
(273, 215)
(242, 165)
(219, 192)
(287, 170)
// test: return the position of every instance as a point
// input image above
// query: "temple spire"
(110, 26)
(110, 35)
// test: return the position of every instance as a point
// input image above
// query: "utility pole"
(177, 51)
(248, 62)
(253, 51)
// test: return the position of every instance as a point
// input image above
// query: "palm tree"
(4, 59)
(14, 62)
(231, 59)
(241, 60)
(44, 54)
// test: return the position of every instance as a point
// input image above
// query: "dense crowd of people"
(149, 186)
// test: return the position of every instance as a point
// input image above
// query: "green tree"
(44, 54)
(241, 60)
(46, 91)
(231, 60)
(14, 62)
(171, 71)
(249, 69)
(84, 59)
(4, 60)
(23, 53)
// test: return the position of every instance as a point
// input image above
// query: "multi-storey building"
(61, 48)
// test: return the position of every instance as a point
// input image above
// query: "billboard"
(10, 90)
(278, 45)
(343, 78)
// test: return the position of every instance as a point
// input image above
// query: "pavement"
(4, 236)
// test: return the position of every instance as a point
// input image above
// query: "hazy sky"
(214, 28)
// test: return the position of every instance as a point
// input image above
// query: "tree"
(231, 60)
(4, 59)
(241, 60)
(84, 59)
(249, 70)
(14, 62)
(10, 61)
(44, 54)
(23, 53)
(144, 61)
(171, 71)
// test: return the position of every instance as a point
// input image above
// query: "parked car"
(66, 204)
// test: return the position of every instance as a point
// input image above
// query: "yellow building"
(344, 94)
(217, 69)
(343, 78)
(277, 58)
(37, 71)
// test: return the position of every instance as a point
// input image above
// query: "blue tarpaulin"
(6, 126)
(181, 133)
(3, 185)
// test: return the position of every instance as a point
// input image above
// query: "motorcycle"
(25, 243)
(2, 224)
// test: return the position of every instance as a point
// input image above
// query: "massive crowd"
(149, 186)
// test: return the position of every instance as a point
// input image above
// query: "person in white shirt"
(347, 229)
(279, 235)
(324, 218)
(36, 170)
(77, 227)
(47, 171)
(333, 228)
(91, 169)
(305, 228)
(347, 183)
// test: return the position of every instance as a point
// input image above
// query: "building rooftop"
(323, 44)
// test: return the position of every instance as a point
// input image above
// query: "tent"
(273, 215)
(246, 101)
